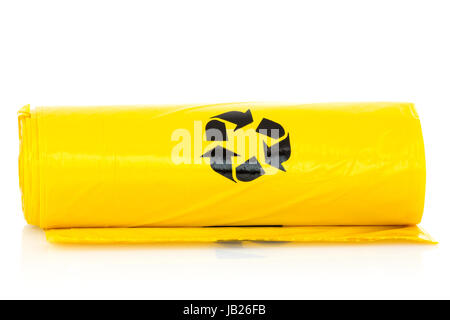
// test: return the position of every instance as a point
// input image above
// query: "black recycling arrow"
(249, 170)
(270, 128)
(216, 131)
(278, 153)
(220, 160)
(240, 119)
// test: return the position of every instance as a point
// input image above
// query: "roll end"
(27, 165)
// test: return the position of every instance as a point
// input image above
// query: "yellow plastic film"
(315, 234)
(324, 172)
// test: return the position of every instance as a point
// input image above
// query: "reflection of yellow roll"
(296, 166)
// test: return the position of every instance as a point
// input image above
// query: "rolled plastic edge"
(29, 164)
(304, 234)
(27, 174)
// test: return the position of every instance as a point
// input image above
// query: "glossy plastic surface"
(353, 164)
(341, 234)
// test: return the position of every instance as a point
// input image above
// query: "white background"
(143, 52)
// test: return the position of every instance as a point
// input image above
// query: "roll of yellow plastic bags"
(335, 172)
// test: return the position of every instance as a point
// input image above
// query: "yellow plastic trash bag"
(238, 171)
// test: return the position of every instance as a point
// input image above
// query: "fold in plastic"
(346, 172)
(340, 234)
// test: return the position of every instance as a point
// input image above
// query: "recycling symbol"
(275, 153)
